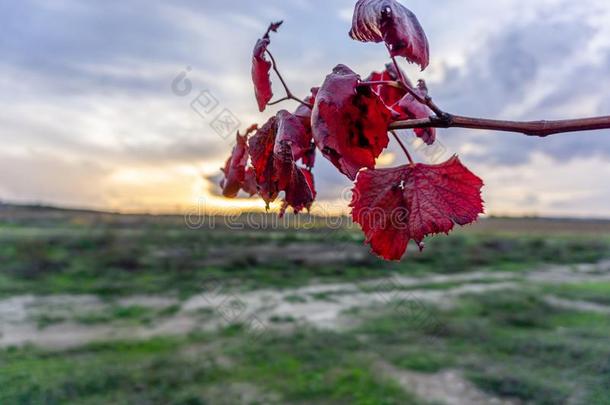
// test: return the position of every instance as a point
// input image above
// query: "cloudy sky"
(96, 111)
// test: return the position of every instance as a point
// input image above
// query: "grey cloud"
(514, 65)
(173, 141)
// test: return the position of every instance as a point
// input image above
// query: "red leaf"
(291, 131)
(349, 122)
(394, 206)
(283, 163)
(292, 144)
(261, 153)
(260, 74)
(235, 167)
(393, 23)
(273, 162)
(300, 191)
(261, 68)
(249, 185)
(413, 109)
(390, 95)
(309, 158)
(304, 113)
(403, 104)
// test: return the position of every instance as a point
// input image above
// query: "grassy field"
(98, 308)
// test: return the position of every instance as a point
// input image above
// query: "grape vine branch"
(442, 119)
(531, 128)
(349, 119)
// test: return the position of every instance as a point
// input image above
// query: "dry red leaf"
(235, 167)
(304, 113)
(260, 74)
(291, 131)
(261, 68)
(394, 206)
(413, 109)
(249, 185)
(274, 163)
(349, 122)
(309, 158)
(292, 144)
(300, 191)
(401, 102)
(283, 163)
(261, 154)
(389, 94)
(391, 22)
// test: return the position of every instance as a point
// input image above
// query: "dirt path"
(576, 305)
(447, 387)
(322, 305)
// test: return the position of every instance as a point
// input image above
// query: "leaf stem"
(404, 148)
(289, 94)
(424, 100)
(281, 100)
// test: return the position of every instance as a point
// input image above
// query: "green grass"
(510, 344)
(598, 292)
(305, 368)
(424, 361)
(113, 261)
(523, 387)
(146, 372)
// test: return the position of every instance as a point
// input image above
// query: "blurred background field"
(98, 308)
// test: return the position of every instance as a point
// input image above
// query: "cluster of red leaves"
(348, 122)
(402, 103)
(274, 152)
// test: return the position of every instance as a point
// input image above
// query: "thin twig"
(289, 95)
(279, 101)
(302, 102)
(404, 148)
(401, 77)
(279, 75)
(427, 100)
(529, 128)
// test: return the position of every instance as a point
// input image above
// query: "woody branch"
(529, 128)
(442, 119)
